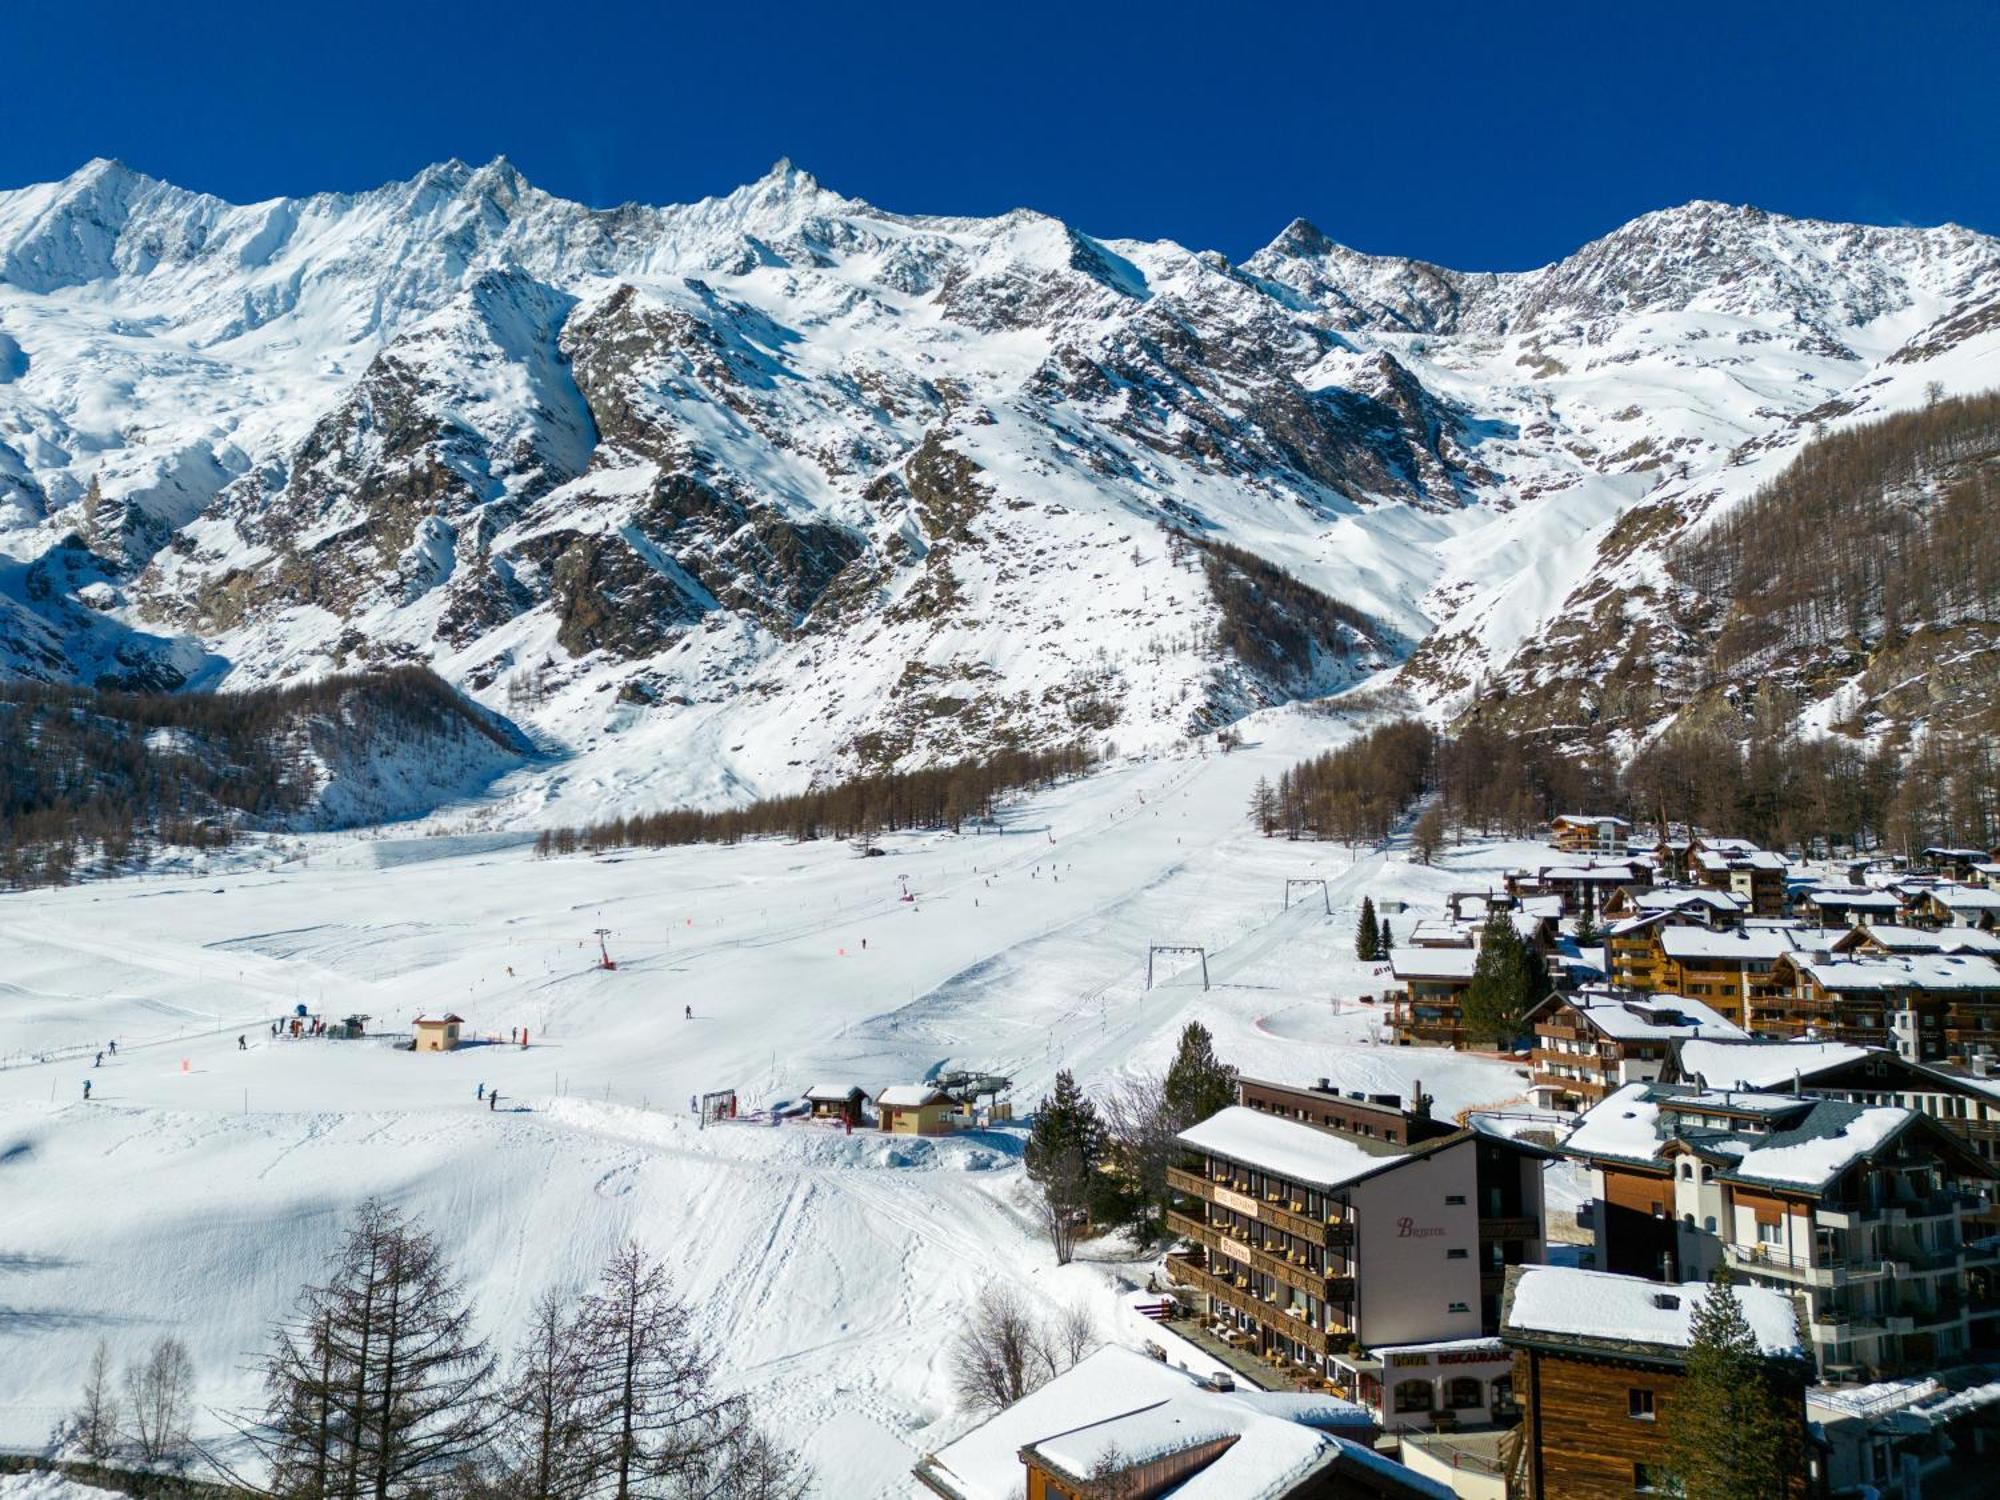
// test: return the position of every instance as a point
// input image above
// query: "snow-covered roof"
(1905, 971)
(1965, 897)
(911, 1096)
(1623, 1124)
(1895, 939)
(1826, 1143)
(834, 1093)
(1589, 818)
(1623, 874)
(1747, 859)
(1572, 1303)
(1759, 945)
(1809, 1142)
(1299, 1153)
(1858, 900)
(1758, 1065)
(1628, 1016)
(1677, 897)
(1729, 846)
(1117, 1401)
(1432, 963)
(1543, 906)
(448, 1019)
(1436, 932)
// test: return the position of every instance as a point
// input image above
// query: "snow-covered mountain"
(726, 495)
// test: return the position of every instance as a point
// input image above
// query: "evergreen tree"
(1367, 936)
(1727, 1438)
(1385, 939)
(1508, 978)
(1198, 1084)
(1064, 1147)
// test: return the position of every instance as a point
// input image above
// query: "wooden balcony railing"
(1279, 1214)
(1184, 1273)
(1328, 1288)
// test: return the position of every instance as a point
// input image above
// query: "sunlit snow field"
(204, 1182)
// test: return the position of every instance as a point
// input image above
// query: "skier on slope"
(86, 1090)
(689, 1009)
(242, 1044)
(480, 1093)
(100, 1061)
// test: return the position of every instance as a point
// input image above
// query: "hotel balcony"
(1183, 1272)
(1329, 1288)
(1521, 1227)
(1287, 1214)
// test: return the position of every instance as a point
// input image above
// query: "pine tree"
(1198, 1084)
(1727, 1438)
(1064, 1146)
(1508, 978)
(1367, 936)
(1385, 939)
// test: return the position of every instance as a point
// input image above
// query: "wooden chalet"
(1728, 969)
(1739, 867)
(1926, 1006)
(1949, 904)
(1598, 1362)
(846, 1102)
(1594, 1040)
(1428, 1010)
(1589, 833)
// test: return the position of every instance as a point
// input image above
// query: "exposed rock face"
(803, 483)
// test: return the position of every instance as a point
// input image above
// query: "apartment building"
(1856, 1210)
(1755, 876)
(1313, 1247)
(1597, 1039)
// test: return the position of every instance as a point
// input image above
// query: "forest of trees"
(86, 774)
(1869, 532)
(861, 807)
(1785, 791)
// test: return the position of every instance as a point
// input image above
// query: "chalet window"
(1770, 1233)
(1454, 1200)
(1454, 1255)
(1464, 1394)
(1643, 1480)
(1639, 1404)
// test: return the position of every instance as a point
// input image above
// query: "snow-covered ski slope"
(204, 1182)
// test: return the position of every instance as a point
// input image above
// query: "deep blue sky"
(1481, 136)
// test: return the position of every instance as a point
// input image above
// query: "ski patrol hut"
(838, 1101)
(916, 1109)
(437, 1033)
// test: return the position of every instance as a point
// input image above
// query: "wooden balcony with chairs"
(1283, 1213)
(1183, 1272)
(1294, 1273)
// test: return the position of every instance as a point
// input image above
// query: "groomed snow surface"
(205, 1181)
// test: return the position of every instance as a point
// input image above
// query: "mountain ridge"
(780, 484)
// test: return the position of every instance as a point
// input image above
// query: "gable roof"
(1632, 1016)
(1903, 971)
(1432, 963)
(447, 1019)
(912, 1096)
(1119, 1397)
(1630, 1315)
(1748, 945)
(834, 1093)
